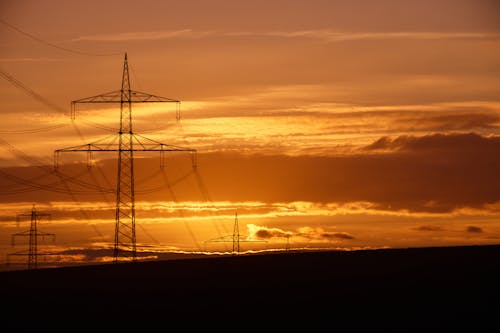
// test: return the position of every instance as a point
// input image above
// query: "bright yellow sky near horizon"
(327, 124)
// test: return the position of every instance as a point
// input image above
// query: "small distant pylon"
(33, 233)
(236, 235)
(235, 238)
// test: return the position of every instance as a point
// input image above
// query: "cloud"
(429, 228)
(315, 128)
(453, 121)
(474, 229)
(329, 36)
(341, 235)
(321, 234)
(144, 35)
(280, 119)
(436, 173)
(431, 173)
(437, 142)
(257, 231)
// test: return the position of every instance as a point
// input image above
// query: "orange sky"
(342, 124)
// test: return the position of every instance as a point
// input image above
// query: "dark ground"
(428, 287)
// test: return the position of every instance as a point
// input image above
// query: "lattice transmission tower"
(33, 233)
(236, 238)
(128, 143)
(236, 234)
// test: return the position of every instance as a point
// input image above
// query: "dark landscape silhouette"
(443, 285)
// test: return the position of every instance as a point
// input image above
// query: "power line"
(35, 38)
(30, 92)
(15, 82)
(34, 130)
(48, 171)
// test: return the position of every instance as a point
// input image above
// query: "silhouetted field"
(442, 286)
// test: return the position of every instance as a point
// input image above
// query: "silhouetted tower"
(235, 238)
(33, 233)
(236, 235)
(128, 143)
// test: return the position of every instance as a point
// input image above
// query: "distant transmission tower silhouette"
(235, 238)
(125, 237)
(236, 234)
(33, 233)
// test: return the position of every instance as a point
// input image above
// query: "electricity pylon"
(128, 143)
(235, 238)
(33, 233)
(236, 234)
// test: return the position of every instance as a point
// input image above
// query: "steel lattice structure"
(235, 238)
(236, 234)
(128, 143)
(33, 233)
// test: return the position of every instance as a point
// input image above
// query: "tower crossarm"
(116, 97)
(222, 239)
(28, 216)
(27, 233)
(141, 143)
(115, 147)
(132, 96)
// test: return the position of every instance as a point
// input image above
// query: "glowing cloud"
(474, 229)
(258, 231)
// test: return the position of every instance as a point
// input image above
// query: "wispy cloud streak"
(145, 35)
(337, 36)
(329, 36)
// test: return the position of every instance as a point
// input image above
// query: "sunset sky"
(324, 124)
